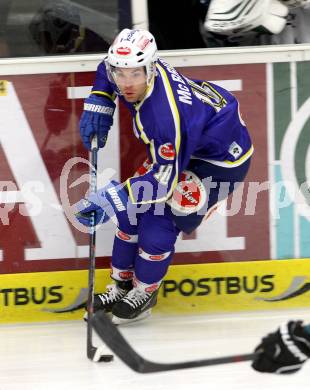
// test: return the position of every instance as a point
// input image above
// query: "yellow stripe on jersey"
(177, 123)
(227, 163)
(144, 138)
(112, 97)
(152, 151)
(138, 120)
(133, 201)
(140, 129)
(242, 159)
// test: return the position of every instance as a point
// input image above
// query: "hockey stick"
(93, 353)
(111, 336)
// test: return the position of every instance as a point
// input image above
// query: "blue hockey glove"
(97, 118)
(85, 208)
(108, 201)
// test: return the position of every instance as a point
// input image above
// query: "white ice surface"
(53, 356)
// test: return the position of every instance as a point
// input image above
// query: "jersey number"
(207, 94)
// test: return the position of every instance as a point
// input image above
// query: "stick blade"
(97, 354)
(112, 337)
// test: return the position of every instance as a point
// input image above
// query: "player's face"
(131, 83)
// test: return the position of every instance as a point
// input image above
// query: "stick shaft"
(92, 249)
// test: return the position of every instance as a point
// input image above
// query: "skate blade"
(122, 321)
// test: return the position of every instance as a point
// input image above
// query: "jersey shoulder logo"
(235, 150)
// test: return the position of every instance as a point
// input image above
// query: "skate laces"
(136, 296)
(113, 293)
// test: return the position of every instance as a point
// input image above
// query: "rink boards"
(192, 289)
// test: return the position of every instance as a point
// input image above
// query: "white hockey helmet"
(132, 49)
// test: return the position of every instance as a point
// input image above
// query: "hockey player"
(285, 350)
(192, 130)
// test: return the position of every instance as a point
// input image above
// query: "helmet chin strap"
(151, 73)
(148, 88)
(143, 96)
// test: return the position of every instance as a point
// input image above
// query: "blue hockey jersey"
(180, 119)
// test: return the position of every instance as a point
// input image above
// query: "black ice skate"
(136, 305)
(115, 292)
